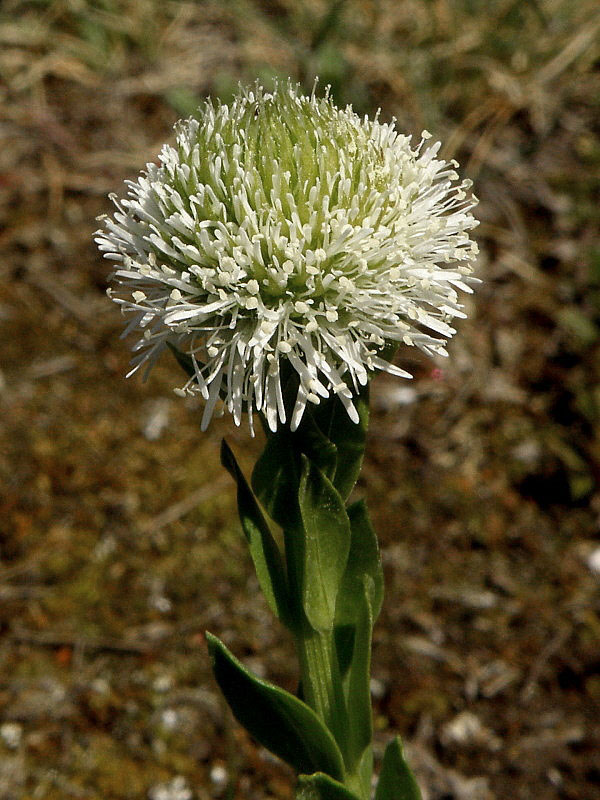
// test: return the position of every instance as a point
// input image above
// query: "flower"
(281, 227)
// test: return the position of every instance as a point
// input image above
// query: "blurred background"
(119, 540)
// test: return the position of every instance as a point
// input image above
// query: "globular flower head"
(282, 228)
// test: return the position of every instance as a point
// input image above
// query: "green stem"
(322, 690)
(322, 685)
(319, 670)
(321, 681)
(333, 573)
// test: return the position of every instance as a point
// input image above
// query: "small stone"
(170, 719)
(100, 686)
(162, 683)
(593, 561)
(11, 734)
(378, 688)
(464, 729)
(219, 775)
(554, 776)
(467, 730)
(156, 419)
(177, 789)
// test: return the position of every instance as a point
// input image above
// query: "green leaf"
(264, 551)
(364, 559)
(359, 600)
(321, 787)
(348, 437)
(326, 435)
(344, 646)
(276, 478)
(310, 440)
(326, 530)
(274, 717)
(396, 781)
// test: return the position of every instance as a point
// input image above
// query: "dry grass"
(118, 539)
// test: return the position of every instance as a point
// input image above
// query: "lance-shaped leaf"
(275, 718)
(396, 781)
(310, 440)
(348, 437)
(264, 550)
(364, 560)
(277, 472)
(326, 529)
(322, 787)
(276, 478)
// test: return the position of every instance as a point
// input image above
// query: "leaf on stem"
(321, 787)
(276, 478)
(277, 472)
(348, 437)
(364, 559)
(264, 550)
(274, 717)
(316, 446)
(396, 781)
(327, 437)
(326, 545)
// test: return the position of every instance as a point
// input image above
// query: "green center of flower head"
(282, 227)
(289, 174)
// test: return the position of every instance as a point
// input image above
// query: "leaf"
(264, 551)
(310, 440)
(344, 646)
(326, 435)
(274, 717)
(276, 478)
(326, 530)
(359, 600)
(396, 781)
(348, 437)
(364, 559)
(322, 787)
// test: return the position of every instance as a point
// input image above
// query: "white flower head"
(282, 228)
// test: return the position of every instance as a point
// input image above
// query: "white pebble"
(593, 561)
(11, 733)
(218, 775)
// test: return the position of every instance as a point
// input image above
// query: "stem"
(322, 689)
(319, 669)
(322, 685)
(332, 572)
(321, 681)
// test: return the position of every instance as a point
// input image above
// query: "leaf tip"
(227, 457)
(213, 643)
